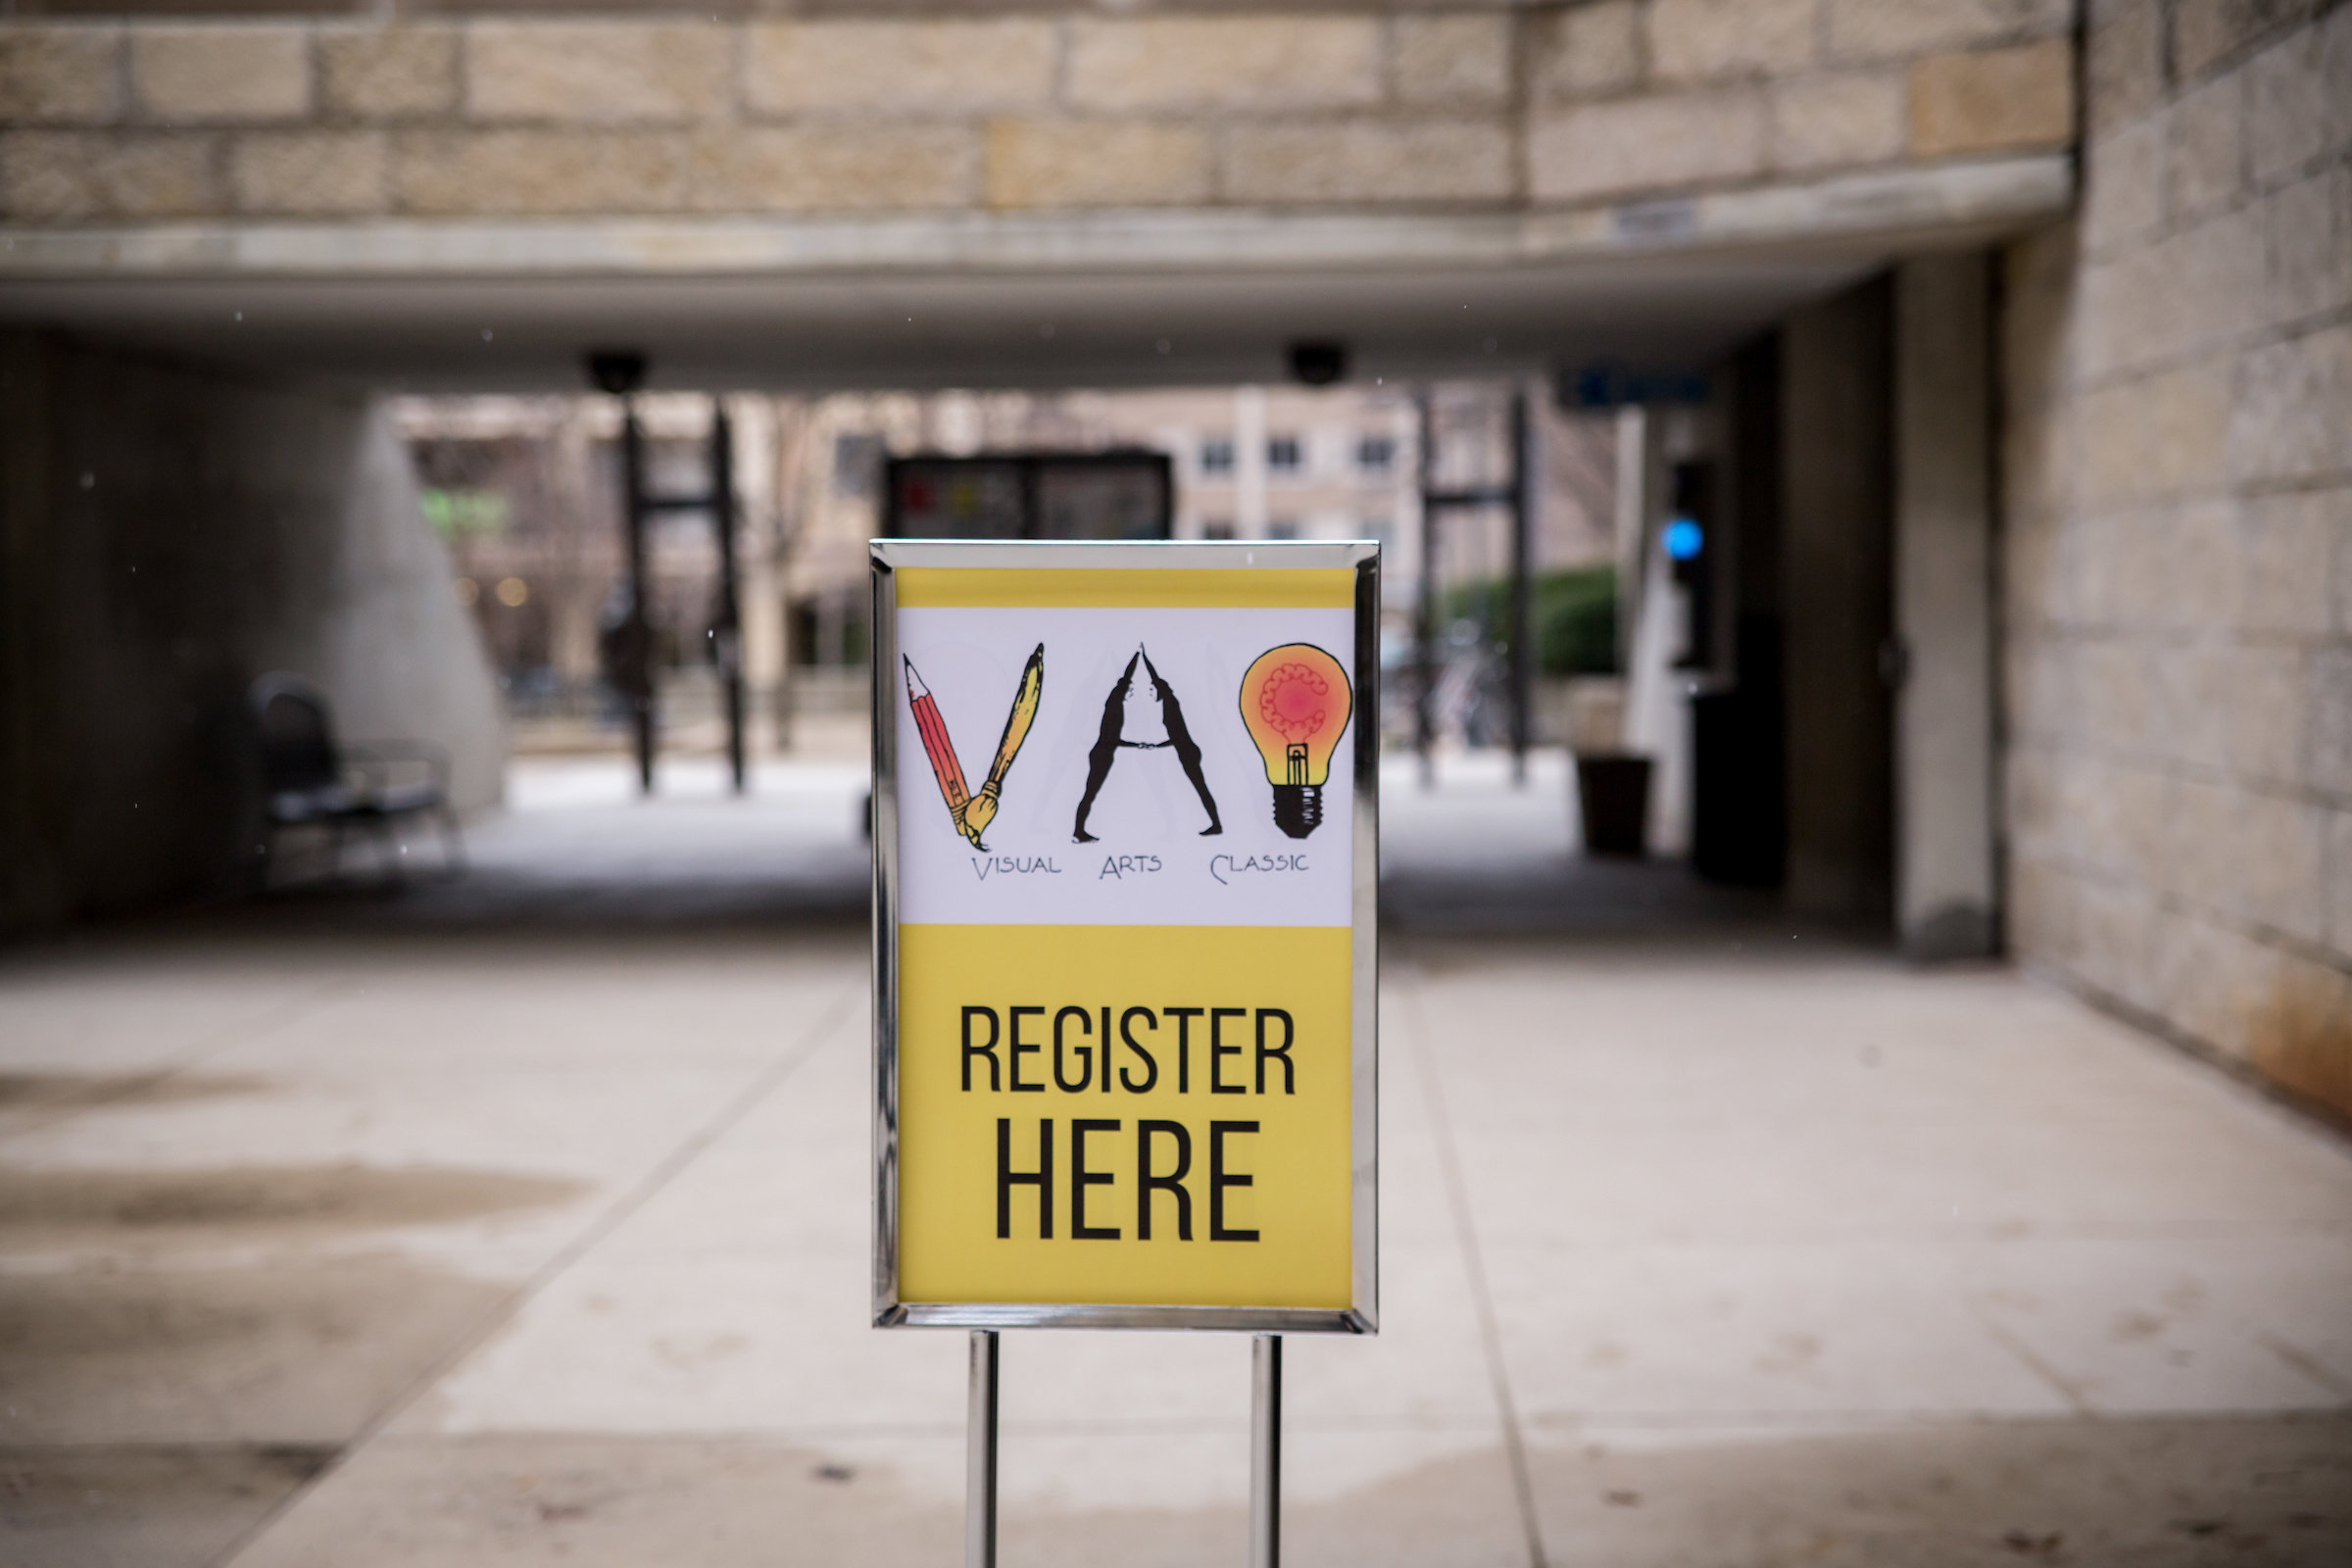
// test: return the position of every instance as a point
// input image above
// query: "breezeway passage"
(1720, 1246)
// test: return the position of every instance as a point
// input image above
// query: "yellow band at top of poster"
(1209, 1165)
(1156, 588)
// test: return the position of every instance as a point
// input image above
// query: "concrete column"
(1837, 595)
(1946, 895)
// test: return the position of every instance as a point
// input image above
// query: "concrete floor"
(523, 1221)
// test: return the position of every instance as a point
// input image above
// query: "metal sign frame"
(1363, 1315)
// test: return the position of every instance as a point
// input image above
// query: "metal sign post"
(1126, 1068)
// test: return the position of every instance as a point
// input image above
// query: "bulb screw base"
(1298, 809)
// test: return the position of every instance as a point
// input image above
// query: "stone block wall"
(674, 111)
(2178, 550)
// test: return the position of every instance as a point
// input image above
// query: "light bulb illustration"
(1295, 701)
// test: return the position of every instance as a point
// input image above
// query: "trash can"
(1612, 793)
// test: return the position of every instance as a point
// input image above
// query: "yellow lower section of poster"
(1222, 1129)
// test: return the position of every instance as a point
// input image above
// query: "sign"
(1125, 858)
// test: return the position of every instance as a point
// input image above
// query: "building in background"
(527, 495)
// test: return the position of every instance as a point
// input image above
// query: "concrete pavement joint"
(602, 1225)
(1457, 1199)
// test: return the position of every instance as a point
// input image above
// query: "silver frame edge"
(886, 557)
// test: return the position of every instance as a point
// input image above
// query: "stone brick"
(2123, 187)
(1450, 60)
(1367, 160)
(1076, 163)
(1645, 144)
(1886, 29)
(2279, 848)
(2292, 415)
(2327, 701)
(2258, 696)
(2285, 559)
(538, 172)
(1701, 40)
(1828, 121)
(2124, 72)
(2132, 310)
(309, 172)
(2293, 113)
(2207, 32)
(1233, 62)
(2307, 234)
(2156, 436)
(2185, 577)
(2299, 1034)
(2204, 155)
(61, 75)
(69, 176)
(386, 72)
(597, 71)
(2208, 979)
(2114, 937)
(1586, 51)
(2339, 883)
(835, 167)
(222, 72)
(899, 68)
(2002, 99)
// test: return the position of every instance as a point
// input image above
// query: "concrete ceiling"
(1123, 298)
(448, 335)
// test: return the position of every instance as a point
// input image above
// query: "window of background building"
(1282, 528)
(1216, 528)
(1375, 454)
(1216, 457)
(857, 465)
(1282, 454)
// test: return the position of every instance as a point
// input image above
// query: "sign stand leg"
(980, 1455)
(1265, 1452)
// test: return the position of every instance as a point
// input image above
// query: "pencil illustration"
(939, 748)
(983, 809)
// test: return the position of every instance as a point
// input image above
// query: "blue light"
(1684, 538)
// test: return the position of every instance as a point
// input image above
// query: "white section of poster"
(1151, 861)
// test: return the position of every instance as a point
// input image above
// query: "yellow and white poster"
(1127, 945)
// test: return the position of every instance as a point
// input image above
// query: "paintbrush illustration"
(983, 808)
(939, 749)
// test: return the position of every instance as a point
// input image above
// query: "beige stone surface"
(1584, 51)
(60, 75)
(2287, 551)
(1647, 143)
(2207, 32)
(1082, 163)
(1700, 40)
(899, 68)
(597, 71)
(1829, 122)
(2123, 189)
(835, 169)
(225, 72)
(2158, 435)
(388, 72)
(310, 172)
(2299, 100)
(2204, 152)
(1375, 160)
(1996, 101)
(70, 176)
(1231, 62)
(448, 173)
(2292, 417)
(1450, 60)
(1882, 30)
(2307, 248)
(2123, 61)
